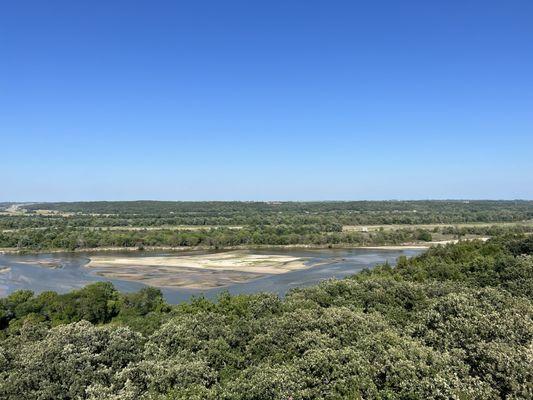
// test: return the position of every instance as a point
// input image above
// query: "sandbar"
(199, 271)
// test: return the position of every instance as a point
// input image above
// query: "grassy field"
(390, 227)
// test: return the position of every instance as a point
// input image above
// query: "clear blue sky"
(198, 100)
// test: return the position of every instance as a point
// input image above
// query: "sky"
(266, 100)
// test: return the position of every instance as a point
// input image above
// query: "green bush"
(453, 323)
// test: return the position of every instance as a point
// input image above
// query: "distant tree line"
(72, 239)
(152, 213)
(223, 224)
(48, 238)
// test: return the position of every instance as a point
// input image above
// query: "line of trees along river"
(92, 225)
(83, 238)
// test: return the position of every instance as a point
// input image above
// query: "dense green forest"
(155, 213)
(344, 212)
(453, 323)
(142, 224)
(80, 238)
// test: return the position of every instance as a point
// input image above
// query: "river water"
(62, 272)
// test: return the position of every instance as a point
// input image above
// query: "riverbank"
(407, 246)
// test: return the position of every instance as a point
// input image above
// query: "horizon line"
(266, 201)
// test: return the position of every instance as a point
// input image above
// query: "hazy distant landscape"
(218, 225)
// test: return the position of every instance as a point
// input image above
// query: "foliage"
(144, 224)
(453, 323)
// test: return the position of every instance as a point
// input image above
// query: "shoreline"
(149, 249)
(180, 249)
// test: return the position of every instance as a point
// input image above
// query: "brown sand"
(195, 271)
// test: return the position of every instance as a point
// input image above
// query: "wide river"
(34, 272)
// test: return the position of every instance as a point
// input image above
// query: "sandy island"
(202, 271)
(53, 264)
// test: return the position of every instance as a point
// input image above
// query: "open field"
(201, 271)
(391, 227)
(345, 228)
